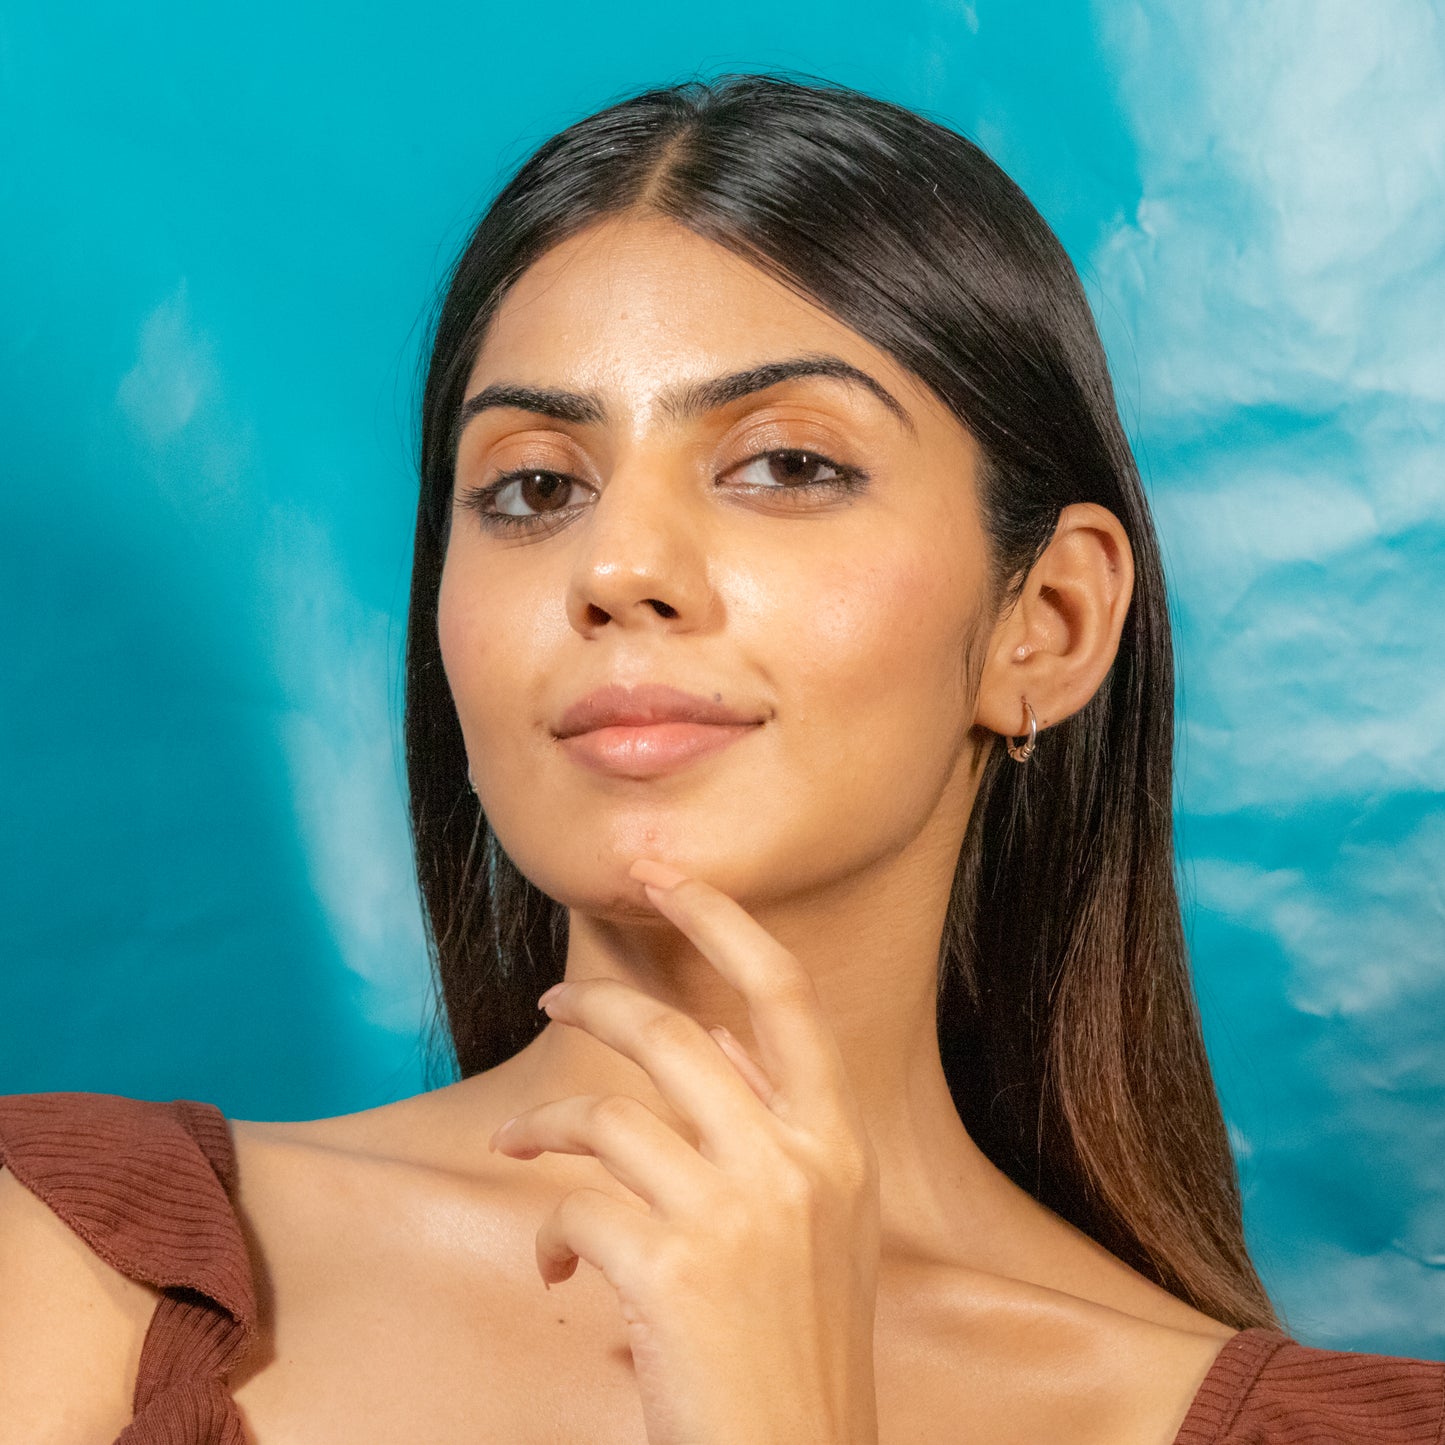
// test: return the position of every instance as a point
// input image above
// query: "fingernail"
(660, 875)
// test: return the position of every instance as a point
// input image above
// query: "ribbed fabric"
(150, 1188)
(1267, 1389)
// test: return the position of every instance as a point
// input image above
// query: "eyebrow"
(680, 403)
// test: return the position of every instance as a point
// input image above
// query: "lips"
(649, 730)
(646, 704)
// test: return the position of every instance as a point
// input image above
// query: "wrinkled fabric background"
(220, 236)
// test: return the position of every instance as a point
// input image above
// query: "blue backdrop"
(218, 245)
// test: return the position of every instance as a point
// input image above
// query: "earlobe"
(1022, 749)
(1053, 649)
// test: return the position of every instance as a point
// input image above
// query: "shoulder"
(1266, 1387)
(1032, 1361)
(370, 1204)
(106, 1203)
(436, 1140)
(324, 1189)
(71, 1328)
(123, 1173)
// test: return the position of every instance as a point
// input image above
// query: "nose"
(642, 561)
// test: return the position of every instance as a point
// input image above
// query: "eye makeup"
(486, 501)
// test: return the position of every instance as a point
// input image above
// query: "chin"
(588, 868)
(599, 887)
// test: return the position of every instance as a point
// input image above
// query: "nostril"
(663, 608)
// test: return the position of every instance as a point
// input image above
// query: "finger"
(797, 1047)
(693, 1076)
(637, 1148)
(610, 1234)
(757, 1080)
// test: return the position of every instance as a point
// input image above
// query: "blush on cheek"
(881, 633)
(882, 677)
(451, 631)
(466, 644)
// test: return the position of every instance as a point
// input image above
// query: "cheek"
(479, 655)
(887, 636)
(459, 633)
(876, 674)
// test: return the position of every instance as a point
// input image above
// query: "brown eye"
(790, 468)
(521, 498)
(531, 498)
(535, 492)
(797, 476)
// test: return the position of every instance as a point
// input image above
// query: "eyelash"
(477, 499)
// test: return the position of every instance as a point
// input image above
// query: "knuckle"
(572, 1212)
(856, 1165)
(609, 1113)
(731, 1222)
(667, 1030)
(793, 986)
(666, 1268)
(737, 1224)
(792, 1185)
(838, 1162)
(565, 1214)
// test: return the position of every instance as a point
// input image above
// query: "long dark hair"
(1067, 1022)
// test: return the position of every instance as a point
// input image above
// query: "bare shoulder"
(1058, 1334)
(71, 1329)
(424, 1138)
(1145, 1375)
(392, 1253)
(1050, 1364)
(376, 1199)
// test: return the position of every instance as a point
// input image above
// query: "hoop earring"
(1022, 752)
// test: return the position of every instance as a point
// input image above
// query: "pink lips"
(644, 731)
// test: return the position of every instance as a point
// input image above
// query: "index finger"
(796, 1043)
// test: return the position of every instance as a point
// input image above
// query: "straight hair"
(1067, 1021)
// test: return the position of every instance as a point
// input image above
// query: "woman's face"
(666, 546)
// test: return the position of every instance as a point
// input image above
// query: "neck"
(871, 945)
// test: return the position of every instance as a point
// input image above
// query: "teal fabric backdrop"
(220, 235)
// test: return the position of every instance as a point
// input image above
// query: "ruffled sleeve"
(1267, 1389)
(148, 1186)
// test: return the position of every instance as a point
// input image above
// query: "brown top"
(149, 1187)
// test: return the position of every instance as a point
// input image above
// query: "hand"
(747, 1274)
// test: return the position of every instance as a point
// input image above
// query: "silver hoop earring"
(1022, 752)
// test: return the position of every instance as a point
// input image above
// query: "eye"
(792, 470)
(538, 496)
(532, 497)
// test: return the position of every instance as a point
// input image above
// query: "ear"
(1056, 644)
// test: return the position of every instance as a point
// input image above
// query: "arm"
(71, 1330)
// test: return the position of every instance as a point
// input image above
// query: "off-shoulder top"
(150, 1188)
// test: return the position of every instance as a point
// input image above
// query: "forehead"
(632, 304)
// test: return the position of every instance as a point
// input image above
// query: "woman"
(789, 679)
